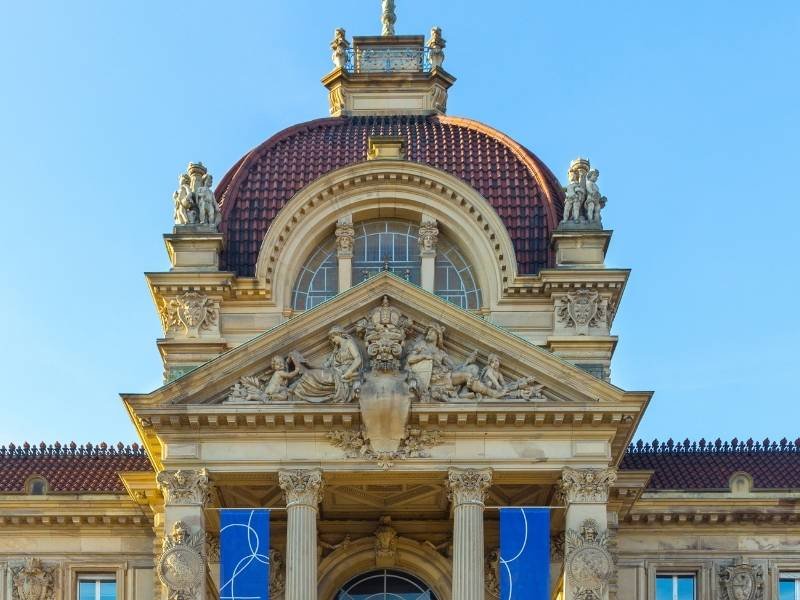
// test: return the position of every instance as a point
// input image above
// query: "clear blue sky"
(690, 110)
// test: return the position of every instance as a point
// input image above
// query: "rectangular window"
(675, 587)
(789, 586)
(97, 587)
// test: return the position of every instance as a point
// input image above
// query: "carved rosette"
(588, 563)
(302, 487)
(742, 581)
(582, 309)
(345, 237)
(33, 581)
(428, 237)
(184, 487)
(192, 312)
(468, 486)
(181, 567)
(586, 486)
(277, 575)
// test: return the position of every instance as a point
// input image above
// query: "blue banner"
(244, 554)
(524, 554)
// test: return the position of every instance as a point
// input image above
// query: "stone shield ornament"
(33, 581)
(742, 581)
(588, 562)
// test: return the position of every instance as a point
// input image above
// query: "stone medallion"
(180, 568)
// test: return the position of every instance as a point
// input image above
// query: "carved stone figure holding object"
(194, 199)
(436, 44)
(333, 381)
(594, 201)
(582, 198)
(339, 45)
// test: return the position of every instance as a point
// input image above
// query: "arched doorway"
(385, 584)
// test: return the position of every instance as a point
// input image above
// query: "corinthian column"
(303, 492)
(467, 491)
(185, 495)
(588, 565)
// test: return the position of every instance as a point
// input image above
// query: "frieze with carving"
(181, 567)
(742, 581)
(192, 312)
(583, 309)
(589, 564)
(415, 443)
(33, 581)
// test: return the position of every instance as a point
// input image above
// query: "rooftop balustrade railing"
(389, 60)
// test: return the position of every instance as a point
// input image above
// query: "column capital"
(468, 486)
(586, 486)
(345, 236)
(184, 486)
(302, 487)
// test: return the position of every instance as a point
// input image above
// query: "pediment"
(315, 352)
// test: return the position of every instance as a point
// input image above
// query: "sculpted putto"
(582, 198)
(194, 201)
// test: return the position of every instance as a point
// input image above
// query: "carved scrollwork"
(181, 567)
(742, 581)
(184, 487)
(586, 485)
(192, 312)
(33, 580)
(589, 564)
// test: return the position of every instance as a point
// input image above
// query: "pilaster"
(303, 492)
(428, 240)
(345, 237)
(588, 563)
(181, 566)
(467, 492)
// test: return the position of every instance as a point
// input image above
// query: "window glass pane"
(86, 590)
(108, 590)
(787, 589)
(685, 588)
(664, 588)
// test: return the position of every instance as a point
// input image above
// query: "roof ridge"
(718, 446)
(58, 449)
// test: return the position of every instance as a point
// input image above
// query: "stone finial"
(302, 486)
(436, 45)
(184, 487)
(468, 486)
(586, 486)
(194, 201)
(339, 46)
(583, 201)
(388, 17)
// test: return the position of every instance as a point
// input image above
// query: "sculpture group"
(389, 344)
(194, 199)
(582, 201)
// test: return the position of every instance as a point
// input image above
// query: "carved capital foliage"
(468, 486)
(192, 312)
(742, 581)
(588, 563)
(302, 486)
(586, 486)
(33, 580)
(184, 487)
(345, 234)
(181, 567)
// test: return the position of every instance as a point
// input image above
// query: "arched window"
(387, 245)
(385, 585)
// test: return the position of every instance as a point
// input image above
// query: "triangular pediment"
(528, 373)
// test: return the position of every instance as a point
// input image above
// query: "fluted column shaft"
(303, 492)
(467, 489)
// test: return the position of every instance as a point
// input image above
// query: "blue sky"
(690, 110)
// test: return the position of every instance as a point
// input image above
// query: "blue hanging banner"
(524, 554)
(244, 554)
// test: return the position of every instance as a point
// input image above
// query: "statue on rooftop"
(339, 45)
(582, 198)
(436, 44)
(194, 199)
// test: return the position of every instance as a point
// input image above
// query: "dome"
(526, 195)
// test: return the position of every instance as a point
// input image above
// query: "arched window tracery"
(385, 585)
(387, 245)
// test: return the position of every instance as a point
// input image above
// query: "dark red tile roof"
(523, 191)
(709, 466)
(70, 468)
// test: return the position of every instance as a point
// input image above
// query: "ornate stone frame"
(74, 570)
(703, 570)
(417, 559)
(387, 188)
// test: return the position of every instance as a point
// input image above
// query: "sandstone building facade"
(385, 324)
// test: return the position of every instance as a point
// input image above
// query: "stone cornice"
(80, 510)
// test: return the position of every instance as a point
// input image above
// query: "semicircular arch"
(387, 188)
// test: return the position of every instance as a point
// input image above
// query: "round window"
(385, 585)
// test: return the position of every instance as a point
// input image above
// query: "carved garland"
(356, 444)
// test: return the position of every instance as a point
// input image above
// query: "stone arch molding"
(358, 557)
(381, 187)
